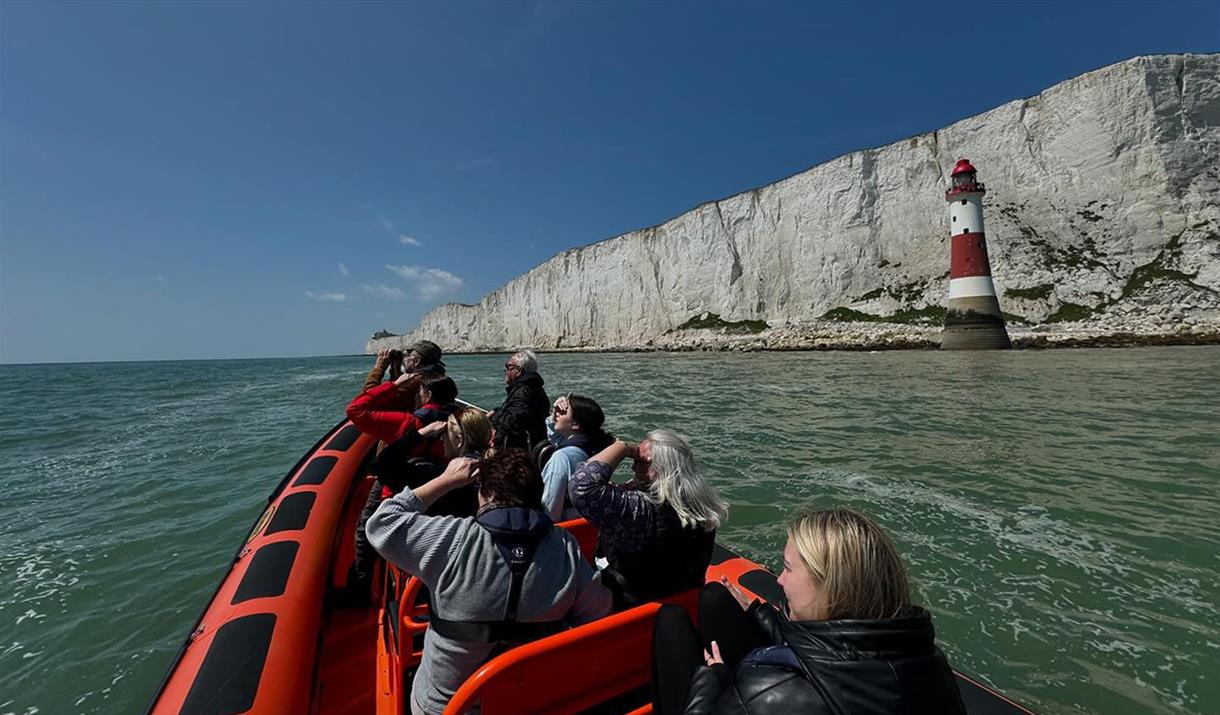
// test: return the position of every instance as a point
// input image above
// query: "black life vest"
(516, 532)
(433, 413)
(676, 559)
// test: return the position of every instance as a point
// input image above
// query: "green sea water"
(1057, 509)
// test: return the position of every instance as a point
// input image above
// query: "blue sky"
(272, 179)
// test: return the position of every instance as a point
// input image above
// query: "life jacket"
(433, 446)
(433, 412)
(546, 450)
(516, 532)
(542, 453)
(674, 561)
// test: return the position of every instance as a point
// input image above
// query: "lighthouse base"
(974, 324)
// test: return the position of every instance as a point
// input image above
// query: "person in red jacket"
(401, 429)
(436, 398)
(378, 411)
(423, 358)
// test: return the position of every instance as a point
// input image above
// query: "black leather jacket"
(889, 666)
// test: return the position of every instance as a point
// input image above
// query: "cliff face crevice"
(1103, 202)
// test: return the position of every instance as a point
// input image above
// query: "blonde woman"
(848, 640)
(466, 434)
(657, 531)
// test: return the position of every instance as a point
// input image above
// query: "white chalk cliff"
(1102, 206)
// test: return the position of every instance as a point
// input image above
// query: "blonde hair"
(476, 429)
(680, 485)
(854, 564)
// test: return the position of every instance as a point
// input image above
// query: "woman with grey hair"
(658, 530)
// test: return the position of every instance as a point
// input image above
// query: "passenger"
(379, 412)
(520, 422)
(575, 431)
(436, 394)
(423, 358)
(848, 639)
(503, 578)
(423, 437)
(466, 434)
(658, 530)
(386, 358)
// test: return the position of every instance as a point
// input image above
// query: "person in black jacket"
(848, 640)
(520, 422)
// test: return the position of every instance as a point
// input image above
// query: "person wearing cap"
(423, 358)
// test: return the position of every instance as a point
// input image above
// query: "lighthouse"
(973, 320)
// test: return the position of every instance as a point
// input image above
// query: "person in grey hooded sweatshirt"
(499, 579)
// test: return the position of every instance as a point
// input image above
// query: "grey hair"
(679, 484)
(526, 360)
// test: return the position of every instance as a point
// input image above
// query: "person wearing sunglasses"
(656, 531)
(520, 421)
(574, 430)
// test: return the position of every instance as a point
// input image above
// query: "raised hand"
(460, 472)
(433, 428)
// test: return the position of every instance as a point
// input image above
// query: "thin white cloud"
(326, 297)
(343, 269)
(403, 238)
(428, 283)
(161, 279)
(385, 291)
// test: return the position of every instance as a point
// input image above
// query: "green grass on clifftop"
(911, 316)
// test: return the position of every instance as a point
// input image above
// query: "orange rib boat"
(274, 640)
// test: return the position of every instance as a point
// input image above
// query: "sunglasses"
(509, 366)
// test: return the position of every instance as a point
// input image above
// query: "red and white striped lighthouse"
(973, 320)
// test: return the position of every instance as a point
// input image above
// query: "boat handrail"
(464, 403)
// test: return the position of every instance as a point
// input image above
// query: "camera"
(396, 355)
